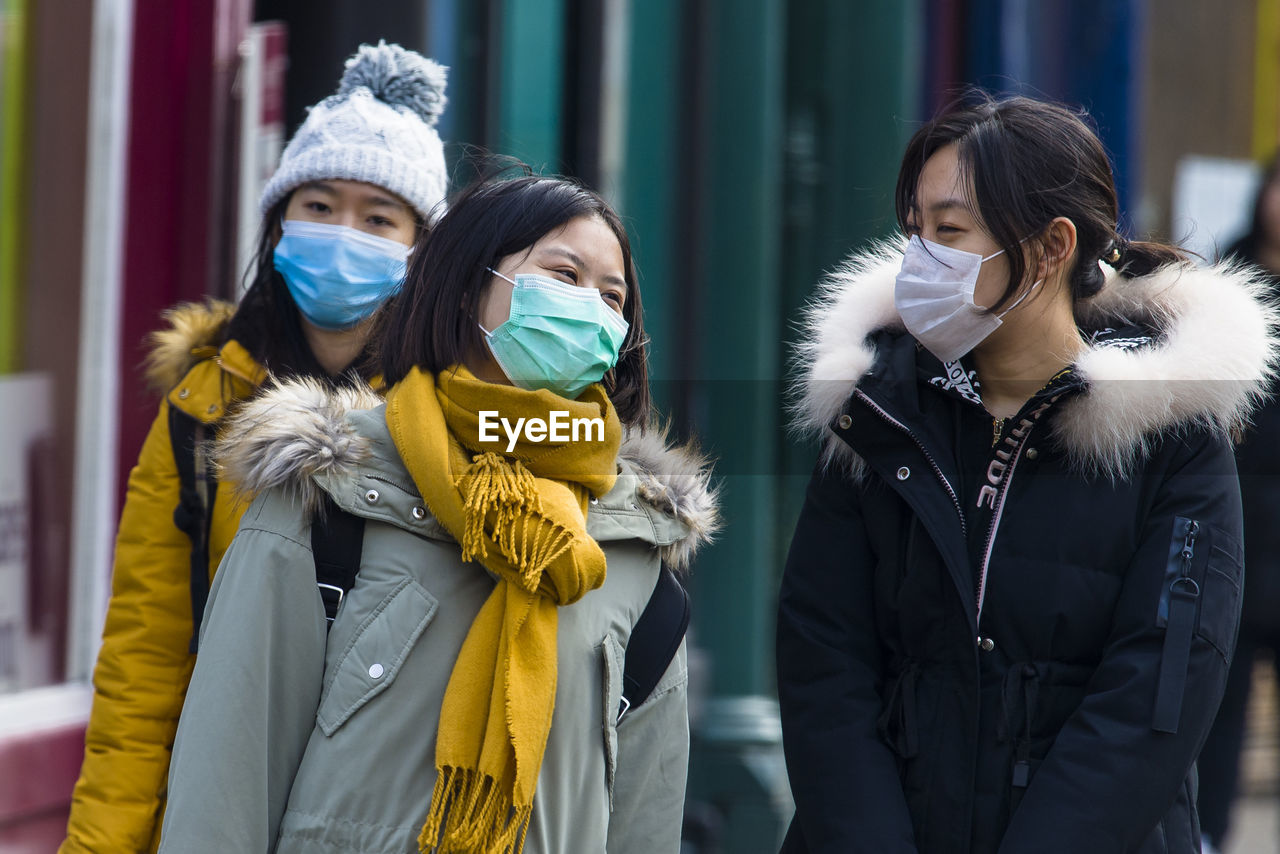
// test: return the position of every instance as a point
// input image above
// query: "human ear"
(1057, 245)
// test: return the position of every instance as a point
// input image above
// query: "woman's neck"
(335, 350)
(1021, 357)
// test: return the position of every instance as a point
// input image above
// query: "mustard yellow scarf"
(523, 516)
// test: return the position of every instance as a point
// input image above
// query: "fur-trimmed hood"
(1209, 362)
(302, 436)
(175, 350)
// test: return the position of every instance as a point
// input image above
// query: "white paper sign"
(1212, 202)
(25, 418)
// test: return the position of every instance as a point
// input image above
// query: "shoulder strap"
(194, 513)
(337, 538)
(654, 640)
(337, 541)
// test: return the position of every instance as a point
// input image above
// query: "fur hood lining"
(1213, 358)
(296, 435)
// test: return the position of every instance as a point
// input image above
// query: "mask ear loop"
(1025, 293)
(487, 333)
(501, 276)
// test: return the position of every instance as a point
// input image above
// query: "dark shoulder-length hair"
(1028, 162)
(267, 322)
(435, 326)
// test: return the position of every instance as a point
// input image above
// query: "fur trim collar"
(1209, 365)
(297, 432)
(192, 327)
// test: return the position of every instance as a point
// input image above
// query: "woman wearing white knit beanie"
(359, 183)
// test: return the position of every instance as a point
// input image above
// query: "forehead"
(354, 190)
(942, 181)
(589, 237)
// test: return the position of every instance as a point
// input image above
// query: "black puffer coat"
(1018, 648)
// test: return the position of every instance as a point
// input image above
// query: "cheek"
(406, 234)
(992, 281)
(495, 307)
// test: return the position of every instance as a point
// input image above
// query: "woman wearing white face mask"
(1008, 609)
(356, 186)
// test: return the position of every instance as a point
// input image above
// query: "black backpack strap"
(197, 490)
(654, 640)
(337, 538)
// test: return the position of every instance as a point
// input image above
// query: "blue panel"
(1082, 52)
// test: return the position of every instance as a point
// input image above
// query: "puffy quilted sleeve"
(143, 666)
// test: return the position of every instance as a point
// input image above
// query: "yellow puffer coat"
(144, 664)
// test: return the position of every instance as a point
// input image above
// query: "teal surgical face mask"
(338, 276)
(559, 337)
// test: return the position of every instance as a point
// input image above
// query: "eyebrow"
(572, 256)
(950, 204)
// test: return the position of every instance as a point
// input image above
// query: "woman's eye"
(317, 207)
(380, 221)
(612, 297)
(569, 274)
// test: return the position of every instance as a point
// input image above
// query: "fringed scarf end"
(471, 814)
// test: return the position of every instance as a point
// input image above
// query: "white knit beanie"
(378, 128)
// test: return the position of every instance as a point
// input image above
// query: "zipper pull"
(997, 430)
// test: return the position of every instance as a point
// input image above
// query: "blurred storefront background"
(750, 144)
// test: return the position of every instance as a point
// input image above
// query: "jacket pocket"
(373, 657)
(612, 662)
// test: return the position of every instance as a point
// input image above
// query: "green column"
(853, 101)
(530, 81)
(13, 102)
(737, 760)
(651, 195)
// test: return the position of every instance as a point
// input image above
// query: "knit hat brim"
(422, 185)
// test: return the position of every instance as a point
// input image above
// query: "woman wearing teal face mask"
(506, 670)
(356, 186)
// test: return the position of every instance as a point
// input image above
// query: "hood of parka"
(194, 333)
(1211, 353)
(301, 436)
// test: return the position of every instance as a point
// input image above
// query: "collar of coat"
(306, 438)
(193, 333)
(1211, 357)
(189, 363)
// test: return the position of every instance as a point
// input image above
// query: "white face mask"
(934, 296)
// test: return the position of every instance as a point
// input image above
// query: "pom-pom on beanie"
(378, 128)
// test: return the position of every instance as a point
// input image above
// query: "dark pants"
(1219, 761)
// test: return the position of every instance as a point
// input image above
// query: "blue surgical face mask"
(559, 337)
(337, 275)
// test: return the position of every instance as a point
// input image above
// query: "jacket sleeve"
(1110, 776)
(844, 779)
(252, 702)
(143, 665)
(653, 764)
